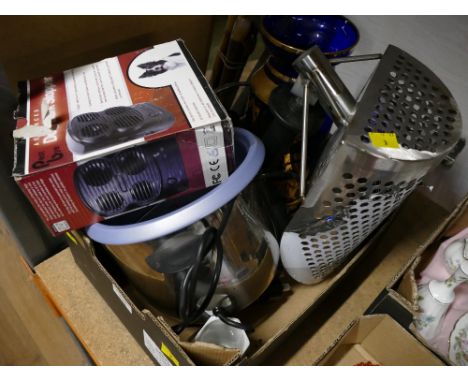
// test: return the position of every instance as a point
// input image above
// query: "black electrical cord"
(222, 314)
(191, 313)
(189, 282)
(231, 85)
(188, 310)
(279, 175)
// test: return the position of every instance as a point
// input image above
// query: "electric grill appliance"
(96, 130)
(403, 125)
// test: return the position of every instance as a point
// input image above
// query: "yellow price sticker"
(169, 354)
(388, 140)
(71, 237)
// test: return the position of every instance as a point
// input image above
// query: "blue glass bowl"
(288, 36)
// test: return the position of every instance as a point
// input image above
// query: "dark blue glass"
(287, 36)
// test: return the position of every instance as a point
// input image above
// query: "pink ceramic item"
(437, 270)
(458, 344)
(435, 298)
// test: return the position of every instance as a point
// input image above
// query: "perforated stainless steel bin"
(362, 177)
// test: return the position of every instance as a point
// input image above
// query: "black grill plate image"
(132, 178)
(96, 130)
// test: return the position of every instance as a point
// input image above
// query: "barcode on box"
(212, 152)
(155, 351)
(61, 226)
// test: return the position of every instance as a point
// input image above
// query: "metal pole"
(305, 128)
(362, 57)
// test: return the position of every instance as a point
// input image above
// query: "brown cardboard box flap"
(460, 221)
(100, 331)
(153, 331)
(205, 354)
(47, 44)
(379, 339)
(408, 290)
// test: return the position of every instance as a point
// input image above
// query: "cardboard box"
(29, 44)
(273, 319)
(378, 340)
(295, 330)
(126, 132)
(402, 293)
(403, 287)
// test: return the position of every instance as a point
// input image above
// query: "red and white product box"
(123, 133)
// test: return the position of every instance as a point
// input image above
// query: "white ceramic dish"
(217, 332)
(455, 253)
(458, 343)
